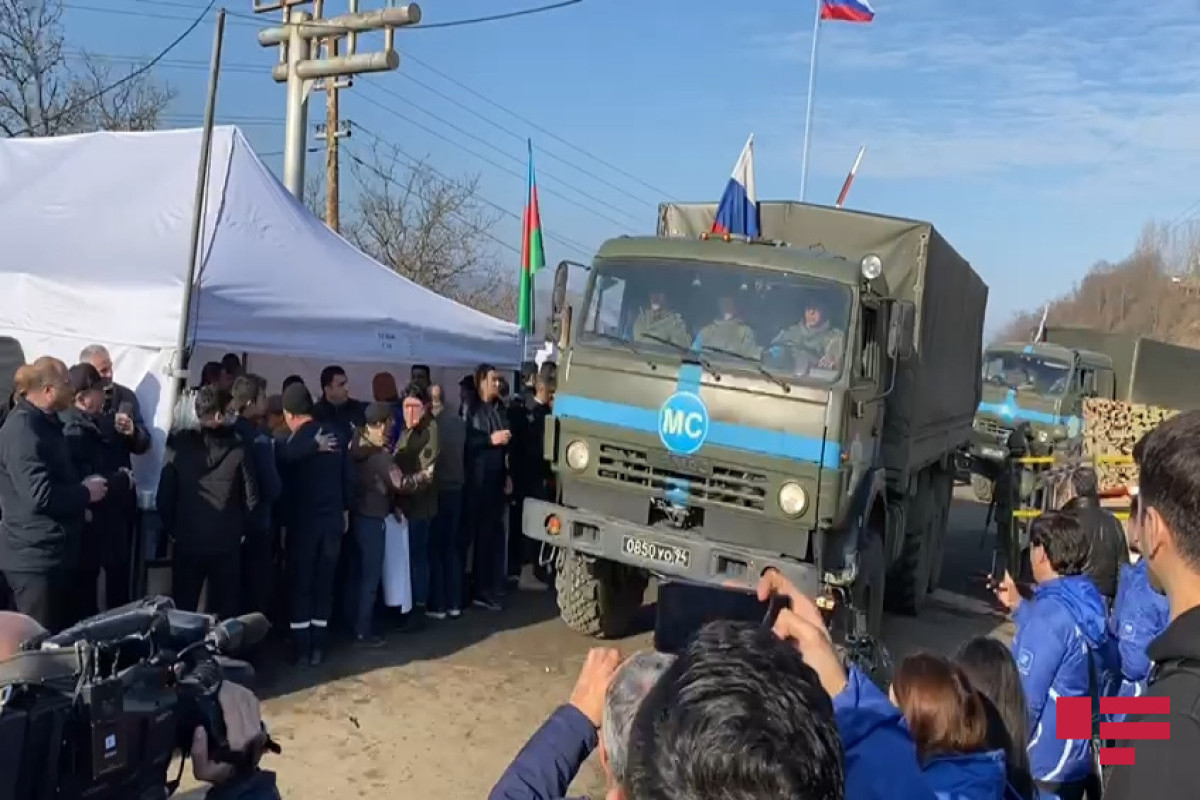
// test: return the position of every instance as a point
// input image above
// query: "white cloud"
(1098, 98)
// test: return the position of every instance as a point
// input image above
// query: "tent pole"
(181, 355)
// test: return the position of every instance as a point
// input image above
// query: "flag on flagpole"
(533, 255)
(847, 10)
(1040, 335)
(737, 212)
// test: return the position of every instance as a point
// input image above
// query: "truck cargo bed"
(1147, 371)
(930, 410)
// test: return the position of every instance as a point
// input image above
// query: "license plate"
(991, 452)
(667, 555)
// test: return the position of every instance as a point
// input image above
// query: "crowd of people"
(759, 713)
(299, 497)
(286, 503)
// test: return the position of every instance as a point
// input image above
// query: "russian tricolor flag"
(847, 10)
(737, 212)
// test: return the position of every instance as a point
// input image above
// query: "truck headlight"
(578, 455)
(792, 499)
(1043, 436)
(871, 266)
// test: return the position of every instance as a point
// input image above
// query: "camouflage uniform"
(822, 341)
(661, 324)
(730, 335)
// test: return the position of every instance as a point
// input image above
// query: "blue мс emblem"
(683, 423)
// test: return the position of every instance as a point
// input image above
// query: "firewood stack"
(1112, 428)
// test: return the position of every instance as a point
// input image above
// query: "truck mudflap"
(658, 550)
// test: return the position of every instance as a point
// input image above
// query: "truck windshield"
(1026, 372)
(740, 317)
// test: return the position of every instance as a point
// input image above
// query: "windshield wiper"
(757, 363)
(687, 352)
(628, 345)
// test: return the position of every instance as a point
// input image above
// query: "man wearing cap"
(106, 541)
(318, 492)
(814, 337)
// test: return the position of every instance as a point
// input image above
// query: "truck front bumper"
(663, 552)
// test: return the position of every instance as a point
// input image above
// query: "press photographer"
(100, 709)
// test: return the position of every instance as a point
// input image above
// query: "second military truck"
(725, 406)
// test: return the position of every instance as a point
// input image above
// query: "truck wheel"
(983, 488)
(944, 492)
(598, 598)
(869, 586)
(908, 580)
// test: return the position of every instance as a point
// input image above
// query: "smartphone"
(684, 608)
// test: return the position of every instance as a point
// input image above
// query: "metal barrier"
(1036, 484)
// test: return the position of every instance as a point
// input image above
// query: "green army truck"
(1036, 383)
(1045, 384)
(725, 406)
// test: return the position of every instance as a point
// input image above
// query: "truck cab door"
(868, 378)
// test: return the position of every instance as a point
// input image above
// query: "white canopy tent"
(96, 231)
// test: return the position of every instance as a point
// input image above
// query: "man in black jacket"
(318, 493)
(487, 483)
(207, 495)
(527, 464)
(106, 544)
(1168, 535)
(259, 547)
(124, 431)
(1105, 534)
(43, 497)
(337, 409)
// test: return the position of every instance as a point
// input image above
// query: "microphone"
(238, 632)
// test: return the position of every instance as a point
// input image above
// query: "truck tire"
(870, 586)
(983, 488)
(597, 598)
(944, 492)
(908, 580)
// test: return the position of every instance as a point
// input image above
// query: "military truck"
(1045, 384)
(1037, 383)
(816, 435)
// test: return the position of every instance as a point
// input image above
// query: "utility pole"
(297, 39)
(331, 133)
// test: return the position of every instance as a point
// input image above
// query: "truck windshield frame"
(1032, 373)
(733, 317)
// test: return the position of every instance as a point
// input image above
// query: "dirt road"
(439, 714)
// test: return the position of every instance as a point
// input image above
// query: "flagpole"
(808, 115)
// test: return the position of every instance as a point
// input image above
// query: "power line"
(149, 65)
(450, 79)
(520, 161)
(486, 159)
(414, 162)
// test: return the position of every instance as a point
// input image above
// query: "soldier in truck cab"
(657, 323)
(814, 336)
(728, 333)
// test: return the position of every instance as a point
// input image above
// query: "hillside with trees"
(1154, 291)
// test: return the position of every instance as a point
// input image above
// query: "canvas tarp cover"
(937, 391)
(1147, 371)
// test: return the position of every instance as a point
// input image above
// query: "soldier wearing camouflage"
(815, 337)
(656, 323)
(728, 333)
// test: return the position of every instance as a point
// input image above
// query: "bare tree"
(43, 93)
(432, 230)
(1152, 292)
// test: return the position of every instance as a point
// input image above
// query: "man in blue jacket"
(1061, 647)
(746, 712)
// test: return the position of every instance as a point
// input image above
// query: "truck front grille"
(993, 428)
(699, 479)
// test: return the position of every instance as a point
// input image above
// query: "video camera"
(98, 710)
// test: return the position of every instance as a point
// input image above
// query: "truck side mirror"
(558, 300)
(901, 330)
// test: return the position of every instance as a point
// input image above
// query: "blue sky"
(1039, 137)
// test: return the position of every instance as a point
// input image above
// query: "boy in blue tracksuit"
(1140, 613)
(1062, 634)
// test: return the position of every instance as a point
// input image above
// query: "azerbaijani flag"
(737, 213)
(847, 10)
(533, 255)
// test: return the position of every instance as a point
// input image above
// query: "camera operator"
(239, 711)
